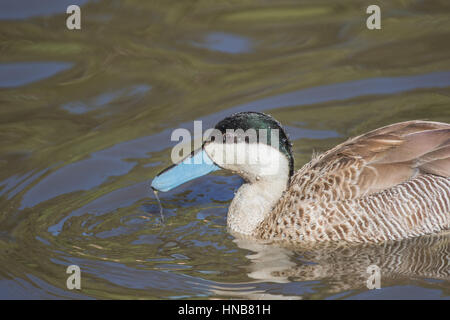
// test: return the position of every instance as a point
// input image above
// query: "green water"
(85, 124)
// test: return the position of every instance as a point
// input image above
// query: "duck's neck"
(266, 171)
(253, 202)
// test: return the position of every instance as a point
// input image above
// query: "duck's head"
(251, 144)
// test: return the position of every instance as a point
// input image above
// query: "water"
(86, 118)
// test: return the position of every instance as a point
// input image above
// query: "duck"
(389, 184)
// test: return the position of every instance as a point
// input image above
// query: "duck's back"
(389, 184)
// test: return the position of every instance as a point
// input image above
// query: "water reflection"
(23, 9)
(124, 97)
(225, 42)
(23, 73)
(344, 267)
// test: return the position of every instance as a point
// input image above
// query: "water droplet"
(160, 206)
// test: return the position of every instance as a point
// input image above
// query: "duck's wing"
(376, 161)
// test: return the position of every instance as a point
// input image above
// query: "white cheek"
(254, 159)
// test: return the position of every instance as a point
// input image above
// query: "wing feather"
(377, 160)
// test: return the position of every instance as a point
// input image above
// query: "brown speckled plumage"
(389, 184)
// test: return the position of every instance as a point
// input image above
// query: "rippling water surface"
(86, 118)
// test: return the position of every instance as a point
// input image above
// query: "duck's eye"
(236, 140)
(212, 138)
(247, 139)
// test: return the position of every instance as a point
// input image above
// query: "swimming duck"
(388, 184)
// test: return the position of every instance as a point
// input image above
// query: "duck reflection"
(344, 266)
